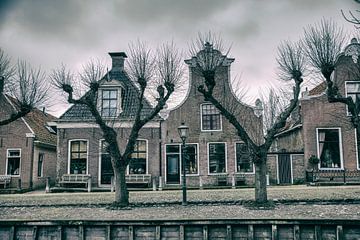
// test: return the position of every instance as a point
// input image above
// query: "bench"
(222, 180)
(239, 179)
(334, 176)
(76, 179)
(138, 179)
(5, 180)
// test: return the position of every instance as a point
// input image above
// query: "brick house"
(325, 129)
(27, 147)
(213, 146)
(80, 140)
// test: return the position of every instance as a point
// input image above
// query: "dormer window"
(109, 102)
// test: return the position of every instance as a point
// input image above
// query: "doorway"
(284, 169)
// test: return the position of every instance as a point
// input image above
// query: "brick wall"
(93, 136)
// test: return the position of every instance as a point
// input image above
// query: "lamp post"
(183, 132)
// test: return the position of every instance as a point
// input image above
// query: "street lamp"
(183, 133)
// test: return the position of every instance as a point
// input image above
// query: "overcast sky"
(49, 33)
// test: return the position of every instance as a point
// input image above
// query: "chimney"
(118, 59)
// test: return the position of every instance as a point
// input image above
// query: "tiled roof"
(80, 112)
(319, 89)
(37, 121)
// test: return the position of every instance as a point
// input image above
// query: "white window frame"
(7, 161)
(99, 170)
(201, 119)
(236, 170)
(346, 94)
(69, 154)
(180, 157)
(357, 152)
(340, 148)
(208, 159)
(119, 109)
(147, 158)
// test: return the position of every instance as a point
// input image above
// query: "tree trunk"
(260, 181)
(121, 192)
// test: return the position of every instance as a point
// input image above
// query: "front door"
(284, 169)
(106, 169)
(173, 164)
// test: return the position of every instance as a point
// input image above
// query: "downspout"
(160, 149)
(32, 137)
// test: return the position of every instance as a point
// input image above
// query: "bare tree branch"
(23, 83)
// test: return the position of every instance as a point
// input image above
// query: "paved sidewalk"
(299, 202)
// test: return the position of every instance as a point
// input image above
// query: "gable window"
(109, 102)
(353, 91)
(78, 157)
(217, 157)
(40, 165)
(138, 160)
(243, 159)
(210, 118)
(13, 162)
(329, 148)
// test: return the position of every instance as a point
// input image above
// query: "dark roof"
(319, 89)
(80, 112)
(37, 121)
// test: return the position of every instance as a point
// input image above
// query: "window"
(109, 103)
(353, 91)
(78, 156)
(244, 163)
(40, 165)
(138, 158)
(217, 158)
(191, 157)
(329, 149)
(106, 166)
(210, 118)
(13, 162)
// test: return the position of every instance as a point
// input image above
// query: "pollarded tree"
(23, 83)
(164, 71)
(209, 58)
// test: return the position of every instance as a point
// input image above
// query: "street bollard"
(89, 184)
(200, 182)
(154, 184)
(160, 184)
(47, 187)
(112, 188)
(233, 183)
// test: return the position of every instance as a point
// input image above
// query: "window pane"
(14, 153)
(191, 159)
(210, 117)
(329, 148)
(138, 158)
(13, 166)
(40, 165)
(172, 149)
(106, 94)
(78, 157)
(243, 160)
(113, 94)
(217, 158)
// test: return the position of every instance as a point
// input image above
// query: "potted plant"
(313, 161)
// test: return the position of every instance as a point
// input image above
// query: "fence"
(210, 229)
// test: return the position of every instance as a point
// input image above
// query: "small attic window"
(50, 129)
